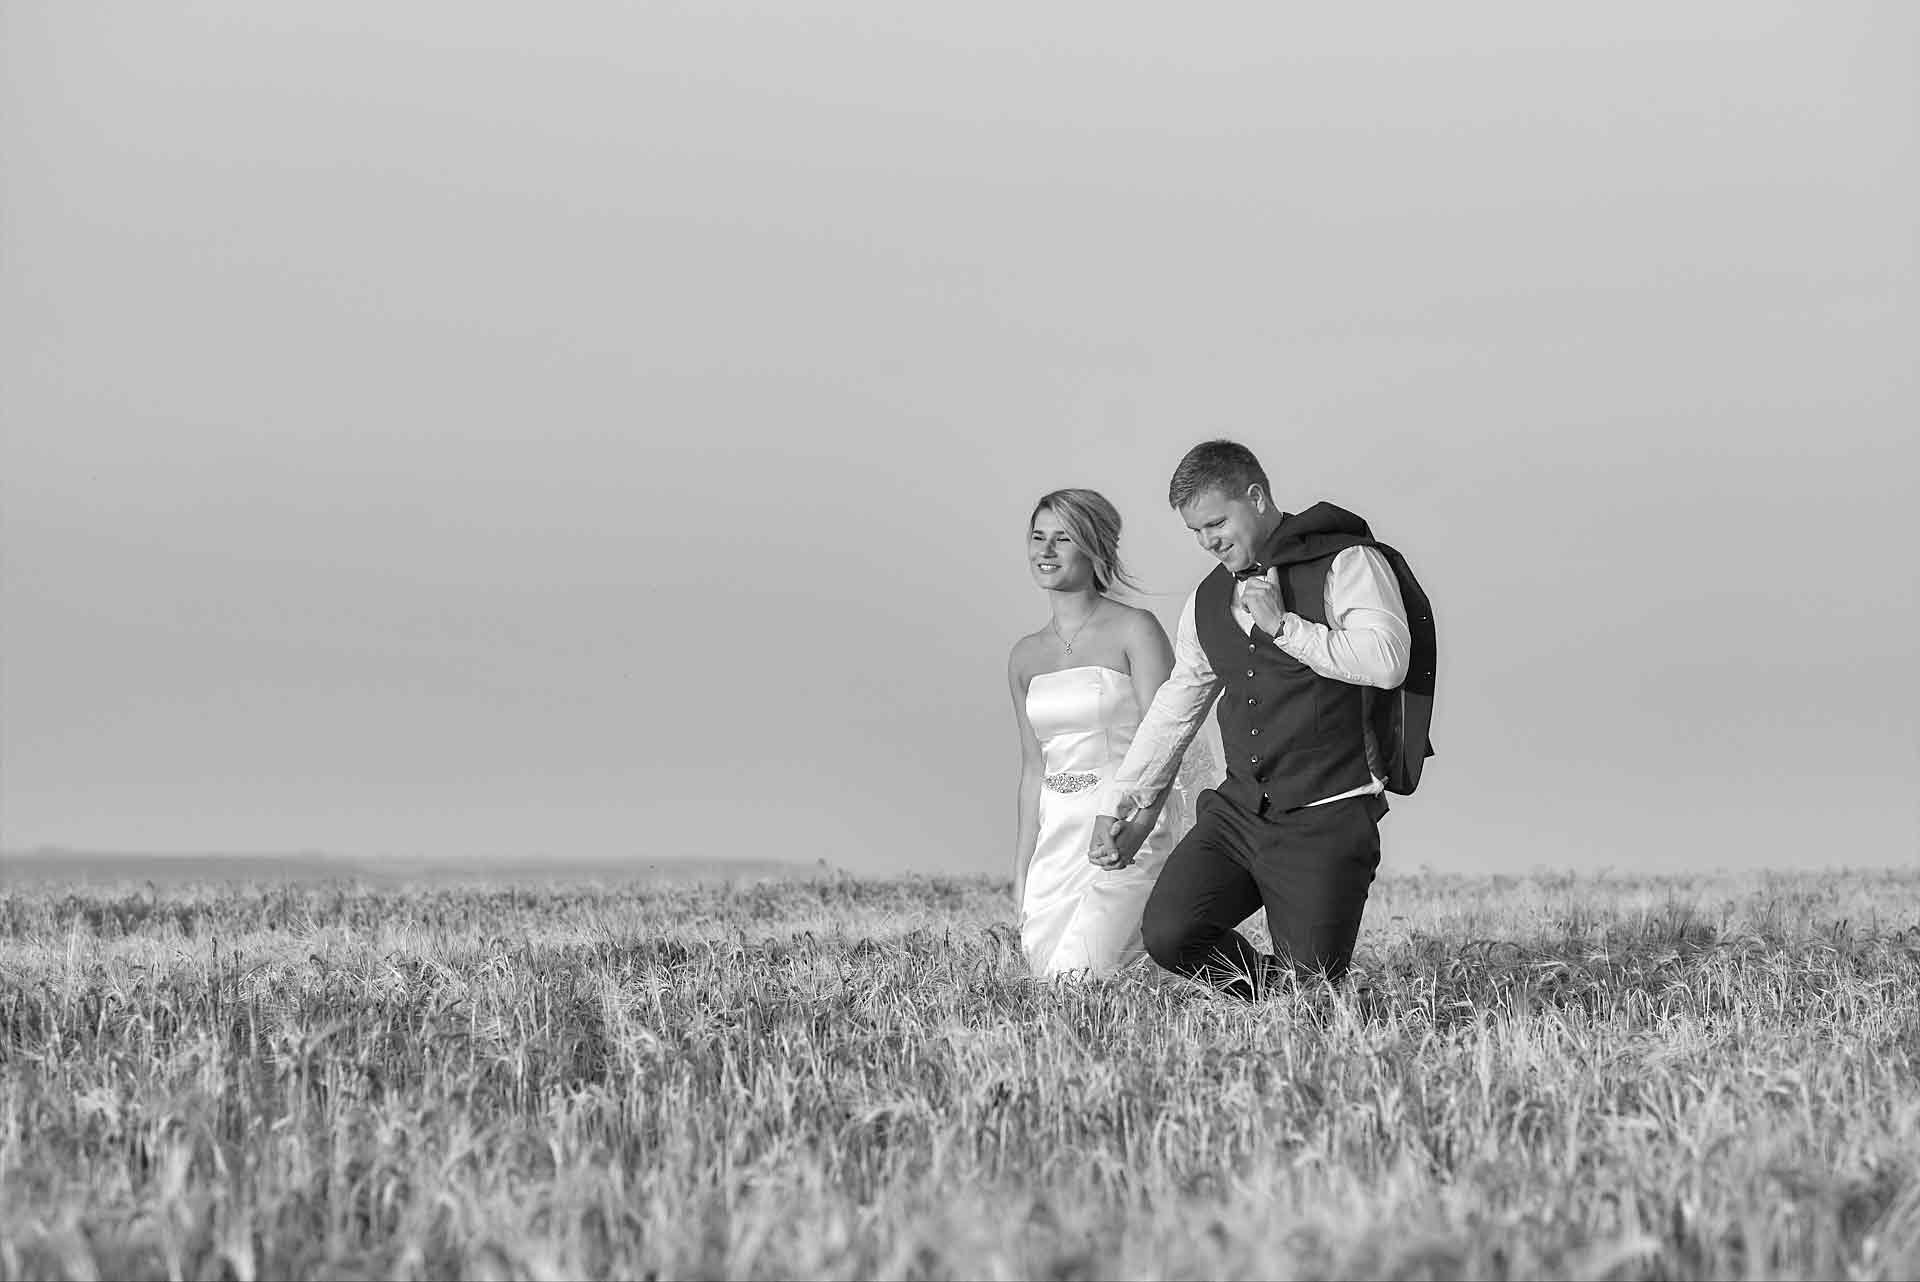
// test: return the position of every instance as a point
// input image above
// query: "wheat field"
(1692, 1077)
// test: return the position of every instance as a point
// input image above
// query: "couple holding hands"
(1302, 634)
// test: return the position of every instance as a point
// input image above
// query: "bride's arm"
(1179, 705)
(1150, 661)
(1027, 827)
(1182, 693)
(1150, 655)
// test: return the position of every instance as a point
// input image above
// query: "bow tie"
(1253, 571)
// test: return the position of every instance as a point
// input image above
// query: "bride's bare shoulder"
(1028, 655)
(1140, 620)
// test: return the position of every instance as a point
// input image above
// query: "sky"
(608, 430)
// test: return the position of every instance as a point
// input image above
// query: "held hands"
(1260, 597)
(1115, 842)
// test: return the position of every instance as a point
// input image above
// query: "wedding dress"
(1076, 917)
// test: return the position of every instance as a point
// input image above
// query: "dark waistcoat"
(1291, 736)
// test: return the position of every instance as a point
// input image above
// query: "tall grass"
(1555, 1077)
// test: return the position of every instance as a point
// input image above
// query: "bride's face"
(1057, 562)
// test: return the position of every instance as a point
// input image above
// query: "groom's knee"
(1171, 936)
(1320, 950)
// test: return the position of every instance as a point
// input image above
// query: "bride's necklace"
(1066, 640)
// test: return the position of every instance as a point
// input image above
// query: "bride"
(1080, 686)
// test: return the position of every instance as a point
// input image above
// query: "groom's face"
(1227, 525)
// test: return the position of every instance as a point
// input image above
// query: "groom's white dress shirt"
(1365, 642)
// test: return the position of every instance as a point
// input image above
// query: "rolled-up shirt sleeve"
(1179, 710)
(1365, 640)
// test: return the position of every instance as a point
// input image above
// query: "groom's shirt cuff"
(1366, 640)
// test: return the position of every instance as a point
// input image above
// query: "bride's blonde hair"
(1094, 524)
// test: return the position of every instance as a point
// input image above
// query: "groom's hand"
(1260, 597)
(1116, 842)
(1129, 835)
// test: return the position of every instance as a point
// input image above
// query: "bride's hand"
(1130, 835)
(1116, 842)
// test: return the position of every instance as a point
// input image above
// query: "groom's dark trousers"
(1309, 867)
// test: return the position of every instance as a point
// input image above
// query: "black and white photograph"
(731, 639)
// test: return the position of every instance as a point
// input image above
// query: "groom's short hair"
(1227, 466)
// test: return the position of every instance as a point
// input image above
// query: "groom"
(1292, 631)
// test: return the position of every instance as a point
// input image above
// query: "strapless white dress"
(1076, 917)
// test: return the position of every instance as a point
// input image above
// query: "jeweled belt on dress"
(1071, 780)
